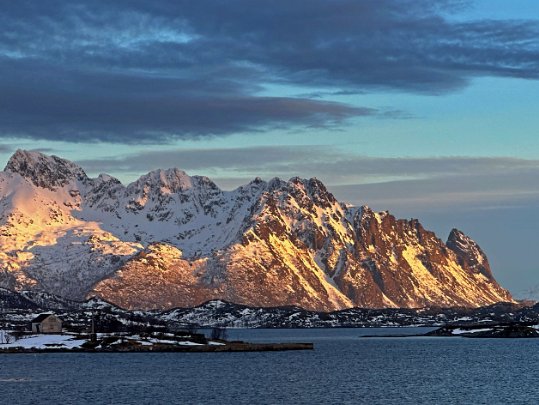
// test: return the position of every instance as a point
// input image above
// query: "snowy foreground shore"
(162, 342)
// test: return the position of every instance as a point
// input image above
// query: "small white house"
(46, 323)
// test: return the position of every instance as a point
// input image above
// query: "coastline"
(226, 347)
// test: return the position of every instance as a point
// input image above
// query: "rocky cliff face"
(44, 171)
(170, 239)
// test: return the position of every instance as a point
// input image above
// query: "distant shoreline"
(508, 330)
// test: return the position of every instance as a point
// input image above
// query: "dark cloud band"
(134, 71)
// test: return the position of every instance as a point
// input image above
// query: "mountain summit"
(170, 239)
(44, 171)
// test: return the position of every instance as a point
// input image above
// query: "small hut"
(46, 323)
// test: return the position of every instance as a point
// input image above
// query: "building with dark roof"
(46, 323)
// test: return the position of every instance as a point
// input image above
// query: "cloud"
(9, 148)
(6, 148)
(128, 120)
(134, 71)
(321, 94)
(407, 183)
(290, 160)
(475, 192)
(446, 184)
(283, 159)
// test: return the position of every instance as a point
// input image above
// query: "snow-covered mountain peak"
(44, 171)
(106, 178)
(319, 193)
(469, 253)
(459, 237)
(254, 186)
(170, 239)
(275, 183)
(171, 180)
(460, 242)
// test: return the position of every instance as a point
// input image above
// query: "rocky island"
(502, 330)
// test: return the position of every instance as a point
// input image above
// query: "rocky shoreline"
(491, 331)
(226, 347)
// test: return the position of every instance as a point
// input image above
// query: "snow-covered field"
(46, 342)
(70, 341)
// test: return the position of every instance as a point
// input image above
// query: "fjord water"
(343, 368)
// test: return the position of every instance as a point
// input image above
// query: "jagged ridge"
(169, 239)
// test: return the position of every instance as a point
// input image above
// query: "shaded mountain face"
(170, 239)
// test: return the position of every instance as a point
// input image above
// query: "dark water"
(342, 369)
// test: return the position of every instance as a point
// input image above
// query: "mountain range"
(173, 240)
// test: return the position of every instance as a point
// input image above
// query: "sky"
(428, 109)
